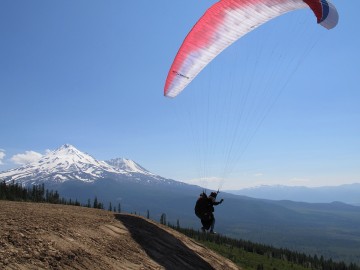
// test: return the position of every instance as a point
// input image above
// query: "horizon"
(92, 75)
(66, 145)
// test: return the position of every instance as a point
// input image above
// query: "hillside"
(47, 236)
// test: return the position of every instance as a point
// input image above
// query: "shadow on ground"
(161, 246)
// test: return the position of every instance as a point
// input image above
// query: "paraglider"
(204, 210)
(227, 21)
(222, 24)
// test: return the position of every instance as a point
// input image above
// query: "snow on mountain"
(127, 165)
(68, 164)
(137, 172)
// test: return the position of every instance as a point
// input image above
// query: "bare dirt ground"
(47, 236)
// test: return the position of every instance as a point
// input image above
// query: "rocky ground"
(47, 236)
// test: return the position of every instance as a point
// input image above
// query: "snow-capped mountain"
(68, 163)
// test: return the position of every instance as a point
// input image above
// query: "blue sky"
(91, 73)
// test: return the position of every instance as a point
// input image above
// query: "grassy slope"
(252, 261)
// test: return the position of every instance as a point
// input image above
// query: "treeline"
(306, 261)
(38, 193)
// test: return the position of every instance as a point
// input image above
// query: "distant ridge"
(348, 193)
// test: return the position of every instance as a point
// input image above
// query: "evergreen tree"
(163, 219)
(96, 204)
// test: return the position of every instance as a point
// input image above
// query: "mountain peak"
(127, 165)
(66, 146)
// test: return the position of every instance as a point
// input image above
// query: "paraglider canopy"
(227, 21)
